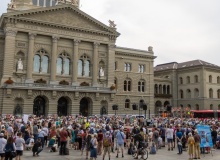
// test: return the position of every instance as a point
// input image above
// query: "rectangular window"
(129, 85)
(115, 67)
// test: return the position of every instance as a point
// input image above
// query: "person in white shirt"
(169, 134)
(19, 144)
(3, 142)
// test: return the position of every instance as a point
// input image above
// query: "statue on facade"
(101, 72)
(112, 24)
(20, 65)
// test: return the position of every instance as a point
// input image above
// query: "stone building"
(192, 84)
(56, 59)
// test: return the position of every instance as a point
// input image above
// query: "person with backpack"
(155, 137)
(9, 147)
(100, 142)
(190, 142)
(107, 144)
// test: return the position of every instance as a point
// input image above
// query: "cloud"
(179, 31)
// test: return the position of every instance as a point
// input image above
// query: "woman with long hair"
(9, 147)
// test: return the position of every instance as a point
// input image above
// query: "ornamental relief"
(89, 95)
(45, 94)
(87, 52)
(39, 46)
(67, 95)
(66, 50)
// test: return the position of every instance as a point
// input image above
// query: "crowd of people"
(98, 136)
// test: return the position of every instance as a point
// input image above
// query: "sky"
(178, 30)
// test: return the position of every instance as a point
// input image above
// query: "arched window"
(160, 89)
(197, 107)
(84, 66)
(37, 63)
(127, 67)
(80, 67)
(210, 79)
(188, 93)
(218, 80)
(41, 62)
(59, 65)
(164, 89)
(181, 80)
(127, 85)
(168, 89)
(87, 68)
(127, 103)
(196, 93)
(189, 106)
(219, 107)
(181, 94)
(210, 93)
(140, 68)
(63, 64)
(211, 106)
(188, 79)
(156, 89)
(218, 93)
(196, 79)
(141, 86)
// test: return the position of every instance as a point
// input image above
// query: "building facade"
(59, 60)
(194, 85)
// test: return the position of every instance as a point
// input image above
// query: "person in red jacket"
(63, 140)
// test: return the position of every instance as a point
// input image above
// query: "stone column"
(111, 63)
(95, 65)
(53, 60)
(8, 61)
(30, 58)
(44, 3)
(37, 2)
(51, 3)
(75, 63)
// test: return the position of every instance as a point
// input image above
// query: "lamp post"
(115, 108)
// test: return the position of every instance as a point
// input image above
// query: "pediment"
(63, 15)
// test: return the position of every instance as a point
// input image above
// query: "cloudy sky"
(179, 30)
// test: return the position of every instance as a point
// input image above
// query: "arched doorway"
(39, 106)
(104, 107)
(158, 108)
(85, 108)
(62, 107)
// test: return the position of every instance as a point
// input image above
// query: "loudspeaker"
(169, 108)
(144, 107)
(115, 107)
(134, 107)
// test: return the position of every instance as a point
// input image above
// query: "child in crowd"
(153, 149)
(52, 145)
(160, 142)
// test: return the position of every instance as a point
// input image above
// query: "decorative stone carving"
(29, 94)
(20, 65)
(40, 81)
(84, 84)
(11, 5)
(112, 24)
(9, 32)
(64, 82)
(112, 87)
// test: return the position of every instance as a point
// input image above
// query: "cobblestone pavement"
(162, 154)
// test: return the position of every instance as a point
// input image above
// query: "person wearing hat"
(3, 142)
(107, 144)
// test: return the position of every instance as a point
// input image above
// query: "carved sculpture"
(101, 72)
(9, 81)
(112, 24)
(63, 82)
(19, 65)
(40, 81)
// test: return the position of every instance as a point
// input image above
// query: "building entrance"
(39, 106)
(84, 107)
(62, 107)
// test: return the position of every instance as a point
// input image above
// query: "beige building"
(193, 84)
(56, 59)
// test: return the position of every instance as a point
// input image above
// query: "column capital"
(96, 44)
(110, 46)
(32, 36)
(10, 32)
(76, 41)
(55, 38)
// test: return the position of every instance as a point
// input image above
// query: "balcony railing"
(56, 87)
(163, 95)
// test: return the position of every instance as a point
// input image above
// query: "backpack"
(106, 142)
(156, 134)
(107, 127)
(91, 145)
(9, 148)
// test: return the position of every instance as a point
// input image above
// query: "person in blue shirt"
(120, 136)
(179, 137)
